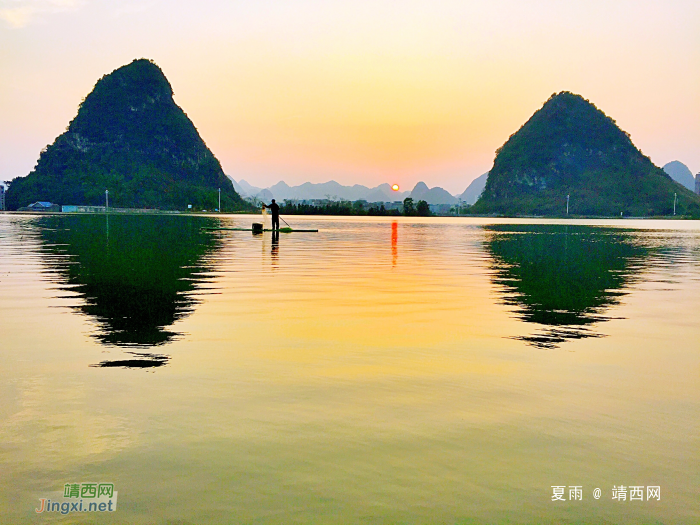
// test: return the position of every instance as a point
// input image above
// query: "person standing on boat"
(275, 210)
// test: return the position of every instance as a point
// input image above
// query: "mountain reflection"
(562, 277)
(135, 274)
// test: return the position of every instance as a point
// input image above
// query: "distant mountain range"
(681, 174)
(335, 191)
(325, 190)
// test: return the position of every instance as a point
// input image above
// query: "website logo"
(80, 497)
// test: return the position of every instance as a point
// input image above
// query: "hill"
(570, 147)
(681, 174)
(243, 188)
(473, 191)
(435, 195)
(129, 137)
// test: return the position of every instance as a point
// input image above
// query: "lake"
(382, 370)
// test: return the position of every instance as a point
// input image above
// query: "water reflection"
(274, 251)
(135, 274)
(144, 360)
(394, 243)
(563, 277)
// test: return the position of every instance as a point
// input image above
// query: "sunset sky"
(358, 92)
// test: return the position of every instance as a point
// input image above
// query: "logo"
(80, 497)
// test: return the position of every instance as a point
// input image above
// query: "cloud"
(19, 13)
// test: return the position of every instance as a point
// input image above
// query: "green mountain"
(570, 147)
(129, 137)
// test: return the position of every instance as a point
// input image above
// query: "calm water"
(379, 371)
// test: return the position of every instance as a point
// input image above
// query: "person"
(275, 210)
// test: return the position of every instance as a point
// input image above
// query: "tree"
(408, 208)
(422, 209)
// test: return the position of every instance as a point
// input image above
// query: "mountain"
(435, 195)
(419, 191)
(243, 188)
(473, 191)
(249, 189)
(389, 194)
(378, 195)
(129, 137)
(265, 195)
(237, 187)
(570, 147)
(251, 192)
(281, 191)
(332, 190)
(681, 174)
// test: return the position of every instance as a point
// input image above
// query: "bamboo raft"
(281, 230)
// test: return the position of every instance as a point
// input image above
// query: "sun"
(395, 187)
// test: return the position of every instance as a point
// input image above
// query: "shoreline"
(466, 216)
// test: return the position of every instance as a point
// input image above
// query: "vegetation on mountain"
(129, 137)
(570, 147)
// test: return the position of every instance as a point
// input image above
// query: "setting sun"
(395, 187)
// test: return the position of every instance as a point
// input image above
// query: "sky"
(361, 92)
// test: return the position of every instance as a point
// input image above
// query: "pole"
(219, 200)
(567, 205)
(674, 203)
(106, 200)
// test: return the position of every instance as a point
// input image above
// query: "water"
(379, 371)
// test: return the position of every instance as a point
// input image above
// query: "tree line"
(410, 209)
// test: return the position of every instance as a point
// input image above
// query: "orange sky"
(362, 92)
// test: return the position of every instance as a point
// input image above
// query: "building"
(41, 206)
(396, 205)
(697, 183)
(441, 209)
(2, 197)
